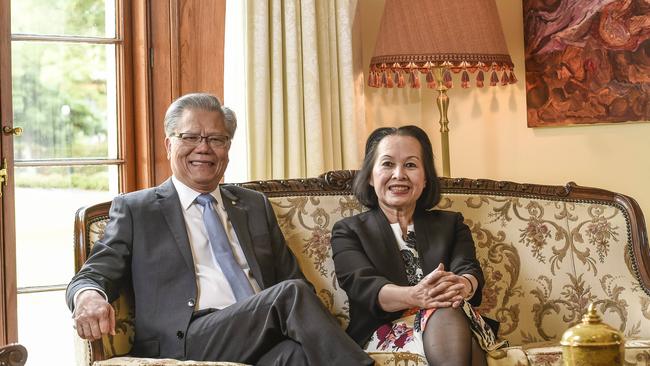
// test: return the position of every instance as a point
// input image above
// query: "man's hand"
(93, 315)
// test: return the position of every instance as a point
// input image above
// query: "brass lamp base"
(443, 105)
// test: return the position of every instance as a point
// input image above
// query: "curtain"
(301, 113)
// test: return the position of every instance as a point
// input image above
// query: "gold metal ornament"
(592, 343)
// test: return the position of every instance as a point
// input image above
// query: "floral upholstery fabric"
(544, 262)
(306, 222)
(397, 359)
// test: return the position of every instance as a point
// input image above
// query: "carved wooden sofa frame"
(13, 354)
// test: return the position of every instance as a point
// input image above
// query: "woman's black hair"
(365, 193)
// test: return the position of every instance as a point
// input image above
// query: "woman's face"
(398, 175)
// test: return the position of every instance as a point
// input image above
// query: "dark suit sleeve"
(108, 264)
(356, 273)
(286, 265)
(463, 257)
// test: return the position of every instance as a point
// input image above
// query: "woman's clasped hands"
(440, 289)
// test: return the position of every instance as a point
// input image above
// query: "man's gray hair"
(204, 101)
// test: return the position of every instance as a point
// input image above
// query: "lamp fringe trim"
(384, 75)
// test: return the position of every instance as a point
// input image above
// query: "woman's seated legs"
(448, 340)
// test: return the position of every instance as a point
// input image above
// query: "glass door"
(66, 73)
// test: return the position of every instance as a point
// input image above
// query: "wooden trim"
(174, 49)
(68, 162)
(40, 289)
(8, 301)
(142, 162)
(83, 218)
(201, 36)
(639, 235)
(13, 355)
(66, 39)
(161, 86)
(125, 100)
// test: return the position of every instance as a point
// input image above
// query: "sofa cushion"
(306, 222)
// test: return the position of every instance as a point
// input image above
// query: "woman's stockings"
(448, 340)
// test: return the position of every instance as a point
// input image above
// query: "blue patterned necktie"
(222, 251)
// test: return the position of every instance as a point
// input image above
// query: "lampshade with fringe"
(430, 41)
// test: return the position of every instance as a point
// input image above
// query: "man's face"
(201, 166)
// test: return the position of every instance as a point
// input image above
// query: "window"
(67, 69)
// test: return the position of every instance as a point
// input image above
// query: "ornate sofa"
(547, 253)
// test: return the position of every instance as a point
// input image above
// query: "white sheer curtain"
(234, 89)
(300, 88)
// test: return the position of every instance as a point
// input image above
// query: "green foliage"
(58, 98)
(60, 17)
(89, 178)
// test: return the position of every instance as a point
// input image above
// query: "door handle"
(3, 175)
(16, 131)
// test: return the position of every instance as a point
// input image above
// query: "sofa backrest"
(547, 252)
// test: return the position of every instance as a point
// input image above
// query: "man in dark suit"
(255, 307)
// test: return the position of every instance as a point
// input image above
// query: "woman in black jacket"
(410, 272)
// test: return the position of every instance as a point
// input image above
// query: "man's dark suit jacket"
(146, 243)
(367, 257)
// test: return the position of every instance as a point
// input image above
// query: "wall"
(489, 137)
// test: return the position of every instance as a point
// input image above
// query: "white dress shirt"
(214, 290)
